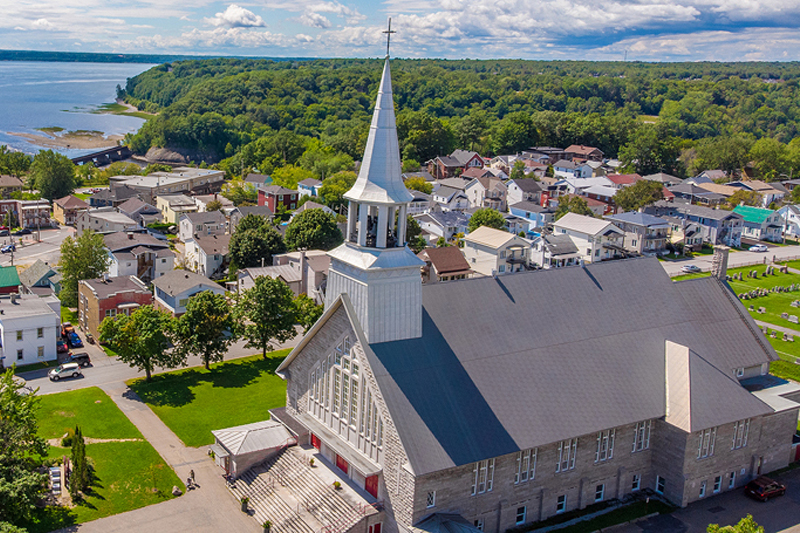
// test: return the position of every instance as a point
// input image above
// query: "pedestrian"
(191, 475)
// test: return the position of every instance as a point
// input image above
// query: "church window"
(705, 446)
(345, 364)
(380, 432)
(325, 383)
(345, 395)
(740, 430)
(346, 344)
(336, 389)
(312, 380)
(566, 455)
(482, 476)
(641, 436)
(526, 466)
(605, 446)
(353, 401)
(355, 369)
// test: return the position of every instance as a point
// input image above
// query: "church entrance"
(371, 485)
(315, 441)
(341, 464)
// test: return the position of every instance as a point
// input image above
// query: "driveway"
(735, 259)
(778, 515)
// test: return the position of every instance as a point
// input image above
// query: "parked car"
(764, 488)
(23, 231)
(74, 341)
(67, 370)
(66, 329)
(689, 269)
(758, 248)
(81, 358)
(8, 248)
(61, 347)
(4, 233)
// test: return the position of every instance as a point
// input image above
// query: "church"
(496, 402)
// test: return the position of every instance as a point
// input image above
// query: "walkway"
(208, 508)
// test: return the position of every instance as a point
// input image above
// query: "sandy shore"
(76, 140)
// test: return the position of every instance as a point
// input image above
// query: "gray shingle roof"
(527, 185)
(637, 218)
(560, 244)
(206, 217)
(35, 273)
(175, 282)
(125, 241)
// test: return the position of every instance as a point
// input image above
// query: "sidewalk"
(208, 508)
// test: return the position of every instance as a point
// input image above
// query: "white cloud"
(314, 20)
(236, 17)
(205, 40)
(303, 38)
(42, 24)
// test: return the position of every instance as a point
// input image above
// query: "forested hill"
(216, 107)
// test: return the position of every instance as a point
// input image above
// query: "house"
(789, 185)
(172, 290)
(492, 251)
(424, 174)
(579, 152)
(242, 211)
(9, 280)
(446, 263)
(554, 251)
(601, 193)
(443, 423)
(138, 254)
(173, 206)
(113, 197)
(40, 279)
(291, 275)
(545, 154)
(515, 224)
(207, 254)
(205, 223)
(684, 233)
(717, 226)
(105, 220)
(569, 169)
(725, 190)
(443, 224)
(536, 215)
(140, 212)
(450, 166)
(664, 178)
(644, 234)
(523, 190)
(108, 297)
(790, 216)
(29, 328)
(33, 214)
(770, 192)
(449, 199)
(202, 201)
(697, 195)
(9, 185)
(710, 176)
(67, 209)
(254, 181)
(486, 192)
(623, 180)
(420, 204)
(761, 224)
(275, 196)
(579, 185)
(486, 172)
(238, 448)
(503, 162)
(180, 180)
(310, 204)
(308, 187)
(596, 239)
(313, 266)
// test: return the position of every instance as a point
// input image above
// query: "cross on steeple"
(388, 33)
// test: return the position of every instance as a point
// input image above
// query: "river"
(61, 95)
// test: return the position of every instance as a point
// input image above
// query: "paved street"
(735, 259)
(49, 250)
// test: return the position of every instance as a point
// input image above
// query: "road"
(735, 259)
(48, 250)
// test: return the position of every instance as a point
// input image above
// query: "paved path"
(208, 508)
(779, 328)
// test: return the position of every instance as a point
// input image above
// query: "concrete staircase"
(286, 491)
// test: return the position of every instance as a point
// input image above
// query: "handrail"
(344, 523)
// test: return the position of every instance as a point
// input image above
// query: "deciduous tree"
(313, 229)
(334, 187)
(266, 313)
(250, 246)
(638, 195)
(418, 183)
(84, 257)
(745, 525)
(206, 329)
(486, 217)
(308, 312)
(743, 197)
(53, 174)
(572, 204)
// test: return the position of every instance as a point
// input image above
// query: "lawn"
(81, 195)
(69, 315)
(128, 475)
(194, 401)
(624, 514)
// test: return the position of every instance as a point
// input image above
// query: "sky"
(641, 30)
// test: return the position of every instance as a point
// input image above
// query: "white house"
(420, 204)
(205, 223)
(309, 187)
(450, 199)
(173, 290)
(443, 224)
(487, 192)
(596, 239)
(536, 215)
(138, 254)
(104, 220)
(29, 326)
(207, 254)
(523, 190)
(554, 251)
(491, 251)
(569, 169)
(790, 215)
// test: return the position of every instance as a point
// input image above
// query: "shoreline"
(71, 140)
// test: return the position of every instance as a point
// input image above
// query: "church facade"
(499, 402)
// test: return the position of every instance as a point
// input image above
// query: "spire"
(380, 176)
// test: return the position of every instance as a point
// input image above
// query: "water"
(37, 94)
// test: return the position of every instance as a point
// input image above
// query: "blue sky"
(648, 30)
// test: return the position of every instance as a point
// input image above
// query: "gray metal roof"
(637, 218)
(254, 437)
(122, 240)
(177, 281)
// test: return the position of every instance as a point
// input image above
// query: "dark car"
(61, 347)
(23, 231)
(4, 233)
(764, 488)
(8, 248)
(74, 340)
(81, 358)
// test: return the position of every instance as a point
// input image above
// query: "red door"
(341, 464)
(371, 485)
(315, 441)
(375, 528)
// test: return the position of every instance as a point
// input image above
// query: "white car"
(67, 370)
(690, 269)
(758, 248)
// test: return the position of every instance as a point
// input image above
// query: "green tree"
(240, 193)
(518, 170)
(21, 485)
(142, 340)
(266, 313)
(652, 149)
(289, 176)
(308, 312)
(513, 133)
(14, 163)
(638, 195)
(770, 158)
(413, 229)
(334, 187)
(486, 217)
(156, 167)
(250, 246)
(418, 183)
(251, 221)
(53, 174)
(441, 242)
(206, 329)
(214, 205)
(572, 204)
(411, 165)
(422, 136)
(84, 257)
(742, 197)
(81, 476)
(418, 243)
(313, 229)
(470, 129)
(745, 525)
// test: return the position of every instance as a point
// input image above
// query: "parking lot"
(48, 250)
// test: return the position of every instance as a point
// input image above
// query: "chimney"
(130, 236)
(719, 262)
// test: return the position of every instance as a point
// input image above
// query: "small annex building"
(238, 448)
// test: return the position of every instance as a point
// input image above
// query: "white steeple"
(374, 266)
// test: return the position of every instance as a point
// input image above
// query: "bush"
(66, 440)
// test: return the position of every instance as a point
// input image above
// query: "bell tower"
(374, 266)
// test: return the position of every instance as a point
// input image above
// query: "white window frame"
(521, 516)
(740, 431)
(717, 484)
(567, 449)
(707, 439)
(661, 484)
(732, 481)
(430, 499)
(641, 436)
(605, 446)
(482, 476)
(478, 523)
(526, 466)
(561, 503)
(702, 489)
(636, 482)
(600, 492)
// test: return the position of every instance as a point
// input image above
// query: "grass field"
(81, 195)
(128, 475)
(68, 315)
(194, 401)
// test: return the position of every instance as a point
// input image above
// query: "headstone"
(793, 319)
(785, 316)
(785, 337)
(761, 310)
(751, 308)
